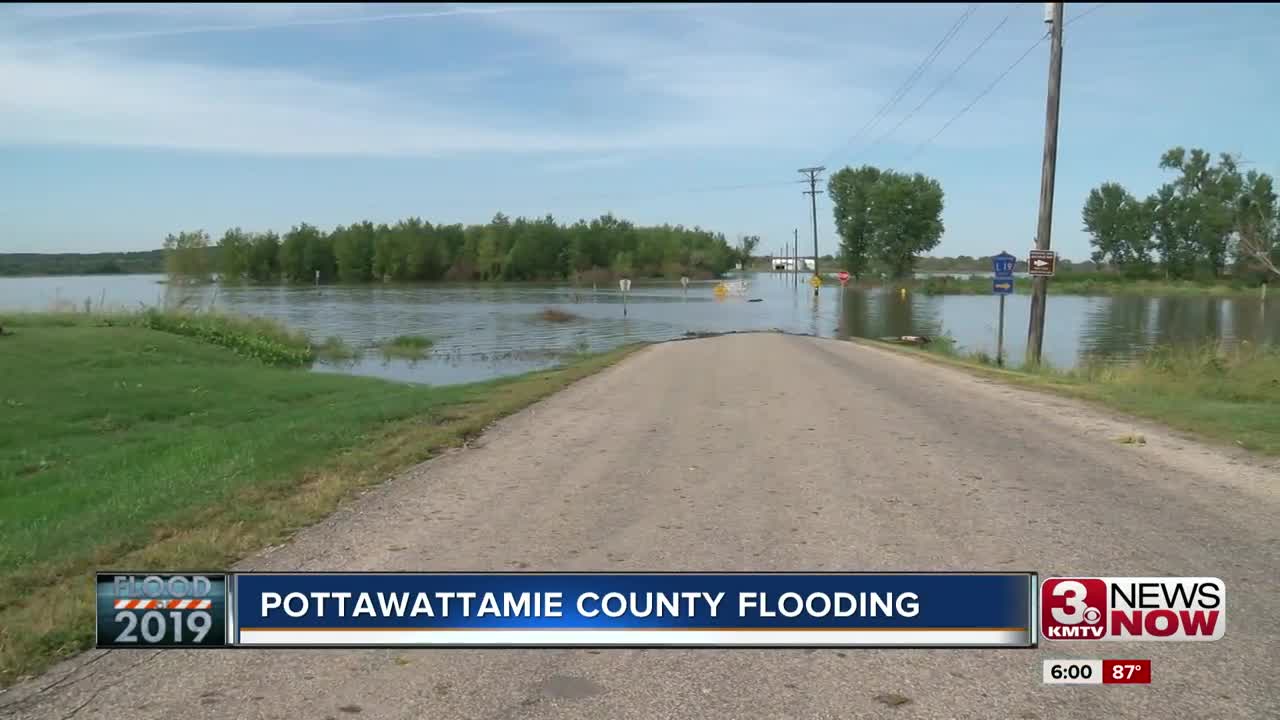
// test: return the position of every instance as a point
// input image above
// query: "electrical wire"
(978, 97)
(907, 84)
(995, 82)
(906, 87)
(947, 80)
(1083, 13)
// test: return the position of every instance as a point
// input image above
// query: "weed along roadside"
(1230, 396)
(186, 441)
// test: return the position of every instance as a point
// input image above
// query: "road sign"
(624, 285)
(844, 276)
(1002, 286)
(816, 282)
(1002, 265)
(1041, 263)
(684, 281)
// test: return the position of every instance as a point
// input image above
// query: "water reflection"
(887, 312)
(1117, 328)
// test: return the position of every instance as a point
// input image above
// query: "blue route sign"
(1002, 265)
(1002, 286)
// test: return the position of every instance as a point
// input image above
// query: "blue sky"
(121, 123)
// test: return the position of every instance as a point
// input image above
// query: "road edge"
(1047, 385)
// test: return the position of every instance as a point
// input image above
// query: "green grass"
(258, 338)
(1229, 396)
(407, 346)
(335, 348)
(1089, 284)
(122, 446)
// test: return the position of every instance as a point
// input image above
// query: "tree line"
(1210, 218)
(117, 263)
(982, 263)
(416, 250)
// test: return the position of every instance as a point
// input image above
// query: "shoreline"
(940, 284)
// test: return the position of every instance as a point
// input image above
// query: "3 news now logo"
(1133, 608)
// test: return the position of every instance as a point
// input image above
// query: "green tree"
(520, 260)
(1120, 226)
(886, 217)
(186, 257)
(353, 252)
(504, 248)
(851, 194)
(1199, 210)
(1258, 225)
(488, 255)
(234, 250)
(304, 251)
(747, 245)
(1173, 224)
(264, 257)
(906, 219)
(317, 256)
(292, 252)
(1205, 216)
(427, 257)
(387, 260)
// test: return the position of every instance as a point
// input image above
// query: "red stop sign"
(844, 276)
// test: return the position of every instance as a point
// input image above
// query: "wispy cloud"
(89, 99)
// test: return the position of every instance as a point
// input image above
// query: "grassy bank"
(1230, 396)
(122, 445)
(1090, 284)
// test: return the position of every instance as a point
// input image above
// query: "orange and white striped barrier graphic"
(163, 604)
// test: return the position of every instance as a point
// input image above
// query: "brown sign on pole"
(1042, 262)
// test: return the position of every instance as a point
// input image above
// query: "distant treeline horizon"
(415, 250)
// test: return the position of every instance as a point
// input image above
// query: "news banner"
(662, 610)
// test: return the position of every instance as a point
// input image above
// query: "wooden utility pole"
(813, 193)
(1040, 285)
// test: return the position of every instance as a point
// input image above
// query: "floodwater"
(486, 331)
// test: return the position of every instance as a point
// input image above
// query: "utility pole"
(795, 254)
(813, 192)
(1040, 285)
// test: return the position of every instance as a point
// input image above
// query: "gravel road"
(763, 452)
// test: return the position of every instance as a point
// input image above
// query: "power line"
(902, 91)
(813, 192)
(748, 186)
(909, 83)
(947, 79)
(619, 194)
(1083, 13)
(979, 96)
